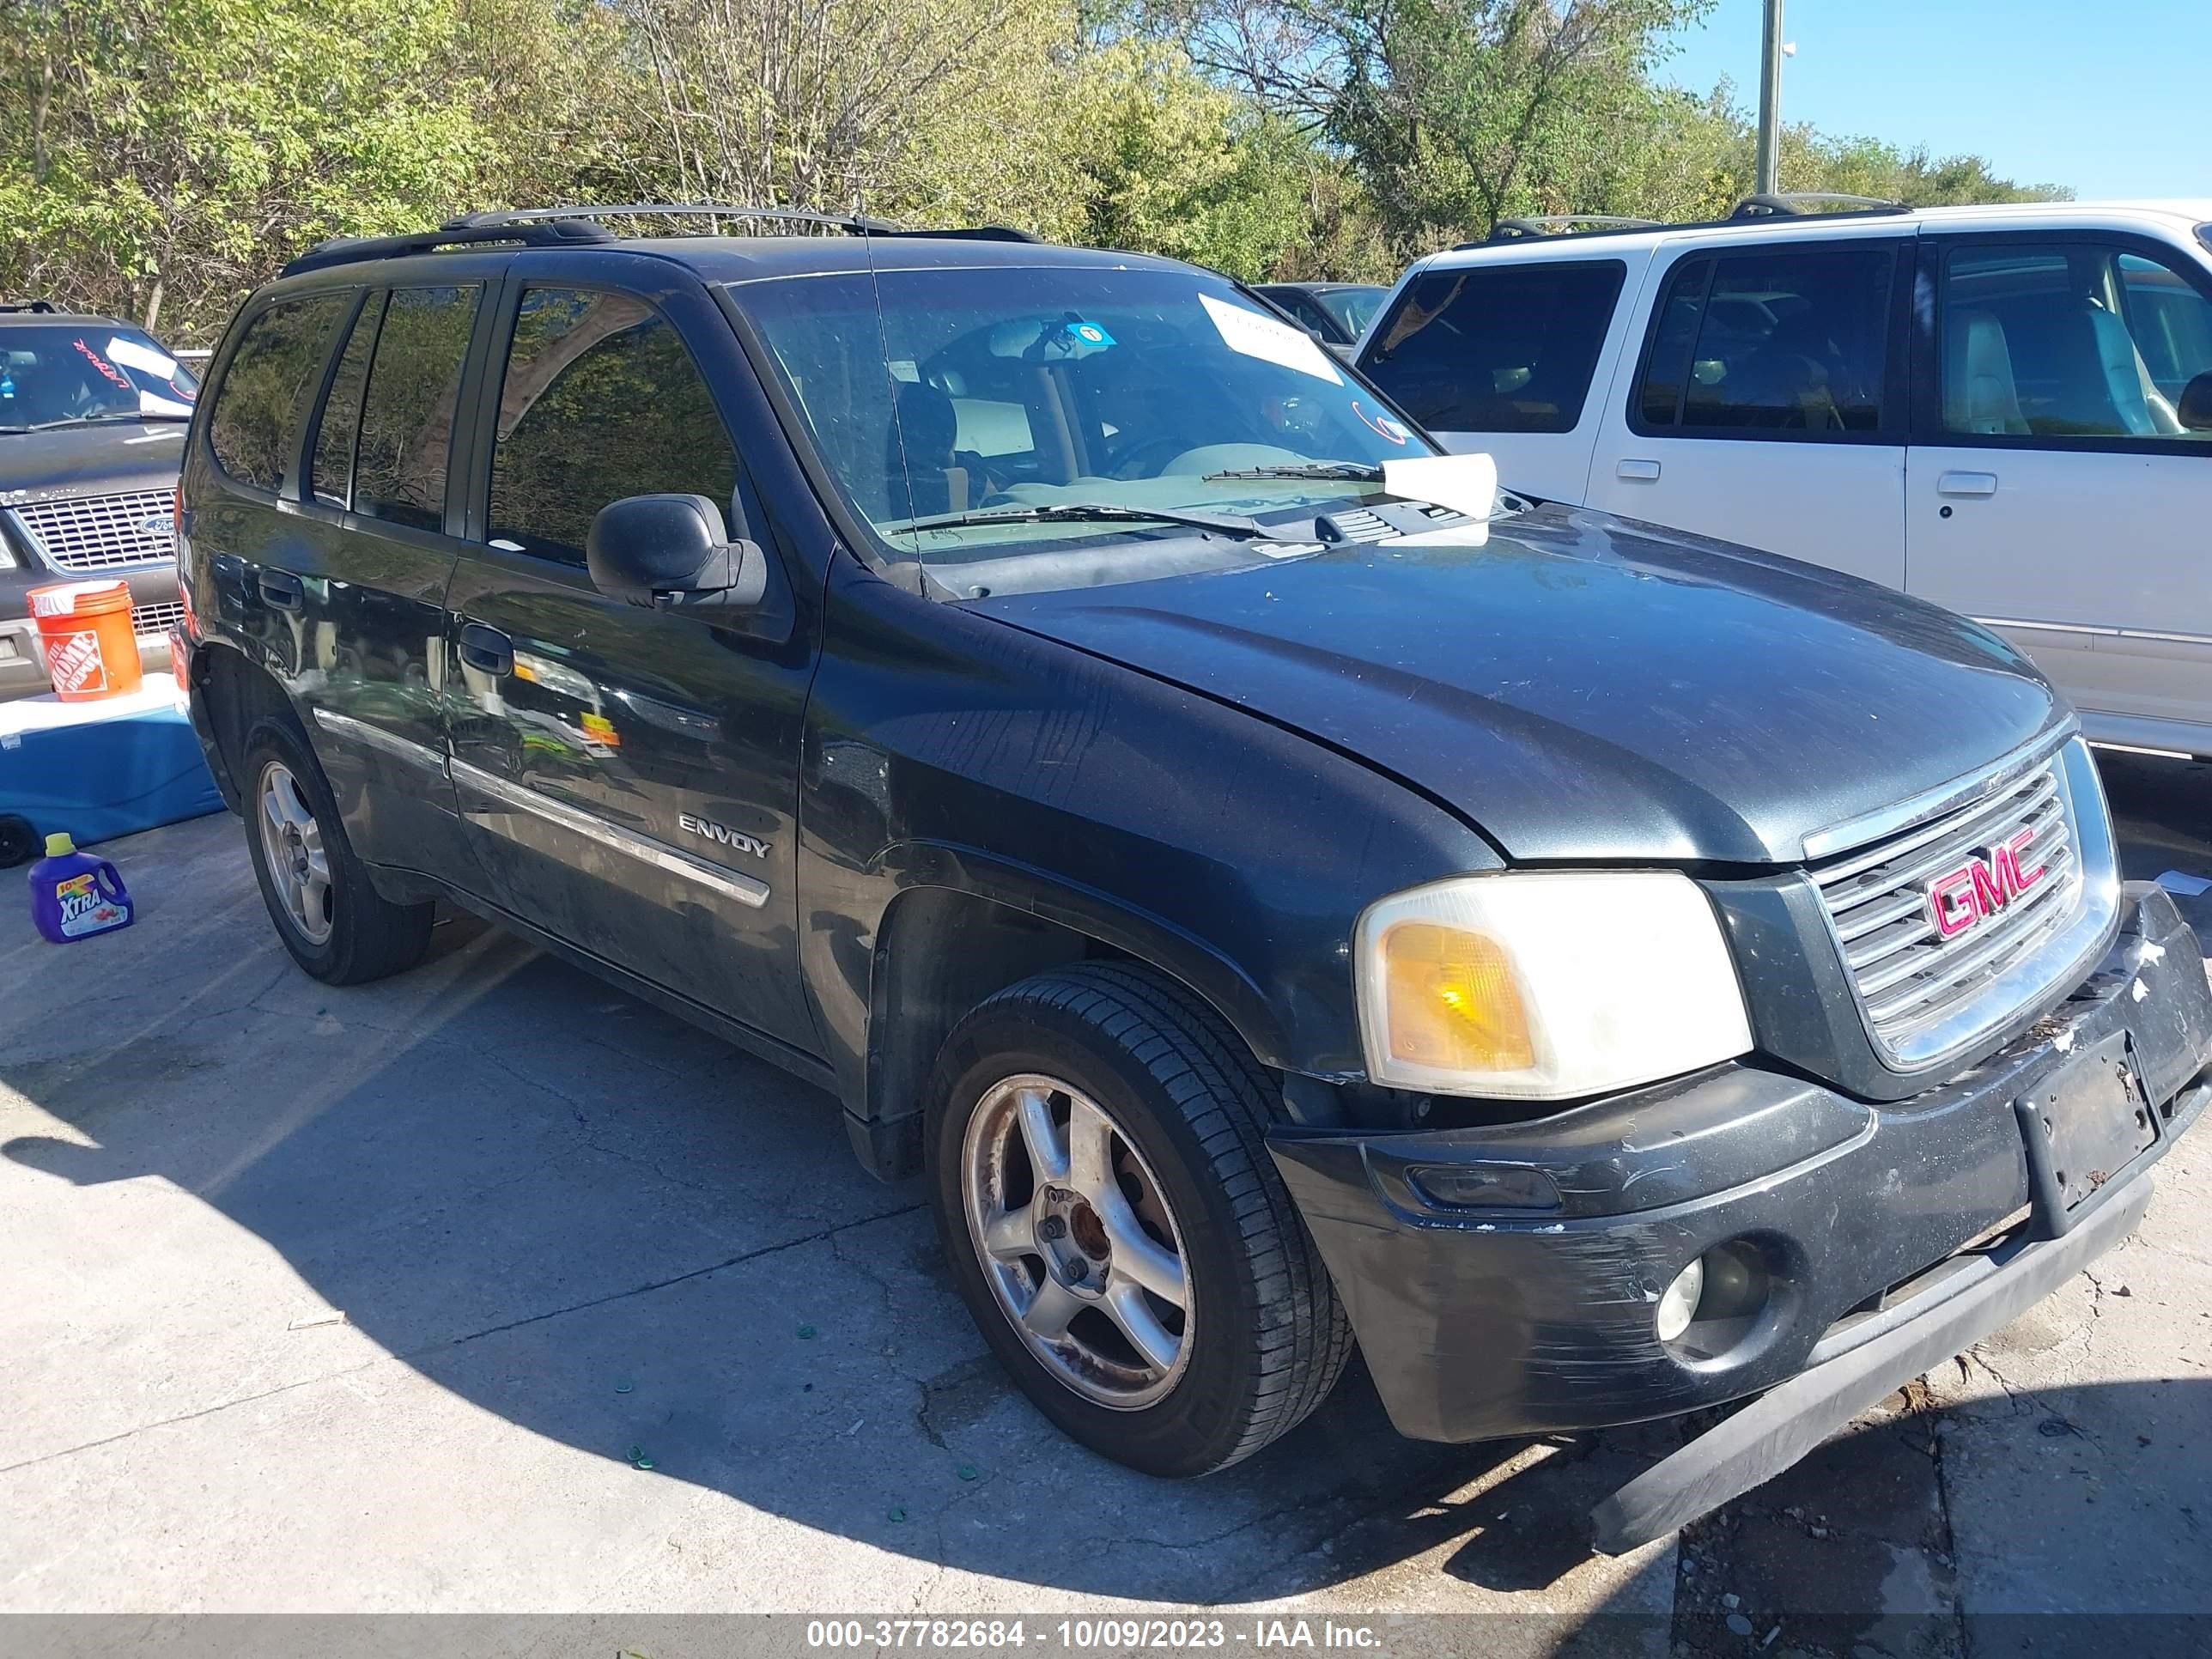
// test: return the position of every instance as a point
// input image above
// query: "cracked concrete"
(571, 1237)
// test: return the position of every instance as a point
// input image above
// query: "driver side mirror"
(673, 552)
(2195, 408)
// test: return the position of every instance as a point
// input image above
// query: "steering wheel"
(1131, 462)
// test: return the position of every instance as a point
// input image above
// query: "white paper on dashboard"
(151, 405)
(131, 354)
(1264, 337)
(1466, 483)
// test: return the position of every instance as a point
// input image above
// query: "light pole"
(1769, 100)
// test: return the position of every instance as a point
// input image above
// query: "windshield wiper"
(95, 420)
(1228, 524)
(1343, 472)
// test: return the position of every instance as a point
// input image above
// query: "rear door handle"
(1639, 471)
(486, 648)
(1966, 483)
(280, 590)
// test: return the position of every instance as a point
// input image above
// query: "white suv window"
(1496, 347)
(2074, 340)
(1776, 340)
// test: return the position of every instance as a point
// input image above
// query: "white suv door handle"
(1642, 472)
(1966, 483)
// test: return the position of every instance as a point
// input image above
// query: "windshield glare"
(53, 373)
(989, 389)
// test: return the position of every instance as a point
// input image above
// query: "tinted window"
(1502, 347)
(332, 471)
(407, 417)
(2067, 341)
(600, 401)
(272, 373)
(1783, 340)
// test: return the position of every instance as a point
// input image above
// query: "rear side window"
(330, 473)
(1778, 340)
(407, 415)
(600, 401)
(254, 426)
(1501, 348)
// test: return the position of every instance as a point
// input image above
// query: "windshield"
(1003, 396)
(1354, 307)
(60, 373)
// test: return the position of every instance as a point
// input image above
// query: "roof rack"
(854, 222)
(42, 307)
(554, 227)
(1799, 203)
(1553, 224)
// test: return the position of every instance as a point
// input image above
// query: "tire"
(1259, 1339)
(20, 841)
(339, 928)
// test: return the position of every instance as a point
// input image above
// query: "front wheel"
(1114, 1222)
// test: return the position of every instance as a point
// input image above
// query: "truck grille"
(102, 532)
(1918, 989)
(156, 618)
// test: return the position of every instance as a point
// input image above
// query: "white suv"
(2007, 410)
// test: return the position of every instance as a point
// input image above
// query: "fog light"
(1680, 1304)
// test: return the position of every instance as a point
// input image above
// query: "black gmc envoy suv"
(1281, 890)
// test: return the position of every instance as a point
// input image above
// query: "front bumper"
(1478, 1325)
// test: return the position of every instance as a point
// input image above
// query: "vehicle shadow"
(581, 1216)
(584, 1217)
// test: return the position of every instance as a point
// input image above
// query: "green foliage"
(159, 157)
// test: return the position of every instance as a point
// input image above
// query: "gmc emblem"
(1970, 895)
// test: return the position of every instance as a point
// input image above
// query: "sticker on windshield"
(131, 354)
(1089, 333)
(1390, 428)
(1273, 342)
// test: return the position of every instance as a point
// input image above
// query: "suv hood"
(1585, 688)
(71, 460)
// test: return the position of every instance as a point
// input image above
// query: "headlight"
(1546, 985)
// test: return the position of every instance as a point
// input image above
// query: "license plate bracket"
(2082, 1125)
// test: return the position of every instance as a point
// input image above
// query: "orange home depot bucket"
(91, 649)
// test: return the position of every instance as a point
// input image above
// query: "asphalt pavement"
(487, 1288)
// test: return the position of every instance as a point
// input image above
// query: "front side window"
(1496, 347)
(1068, 390)
(1792, 340)
(407, 415)
(274, 372)
(2068, 340)
(600, 401)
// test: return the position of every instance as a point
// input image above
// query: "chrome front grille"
(156, 618)
(1922, 995)
(103, 532)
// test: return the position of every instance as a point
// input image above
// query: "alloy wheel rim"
(1075, 1236)
(292, 847)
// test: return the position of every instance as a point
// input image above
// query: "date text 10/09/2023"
(1107, 1635)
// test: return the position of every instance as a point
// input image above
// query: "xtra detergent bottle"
(75, 895)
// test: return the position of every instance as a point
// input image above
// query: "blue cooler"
(97, 771)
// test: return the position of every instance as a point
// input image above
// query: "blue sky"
(2109, 98)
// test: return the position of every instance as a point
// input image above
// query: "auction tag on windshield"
(1264, 337)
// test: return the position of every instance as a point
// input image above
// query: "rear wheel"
(335, 923)
(1112, 1218)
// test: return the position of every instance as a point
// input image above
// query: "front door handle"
(486, 648)
(1636, 471)
(280, 590)
(1966, 483)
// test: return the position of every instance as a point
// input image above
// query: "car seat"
(2141, 408)
(1980, 394)
(919, 448)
